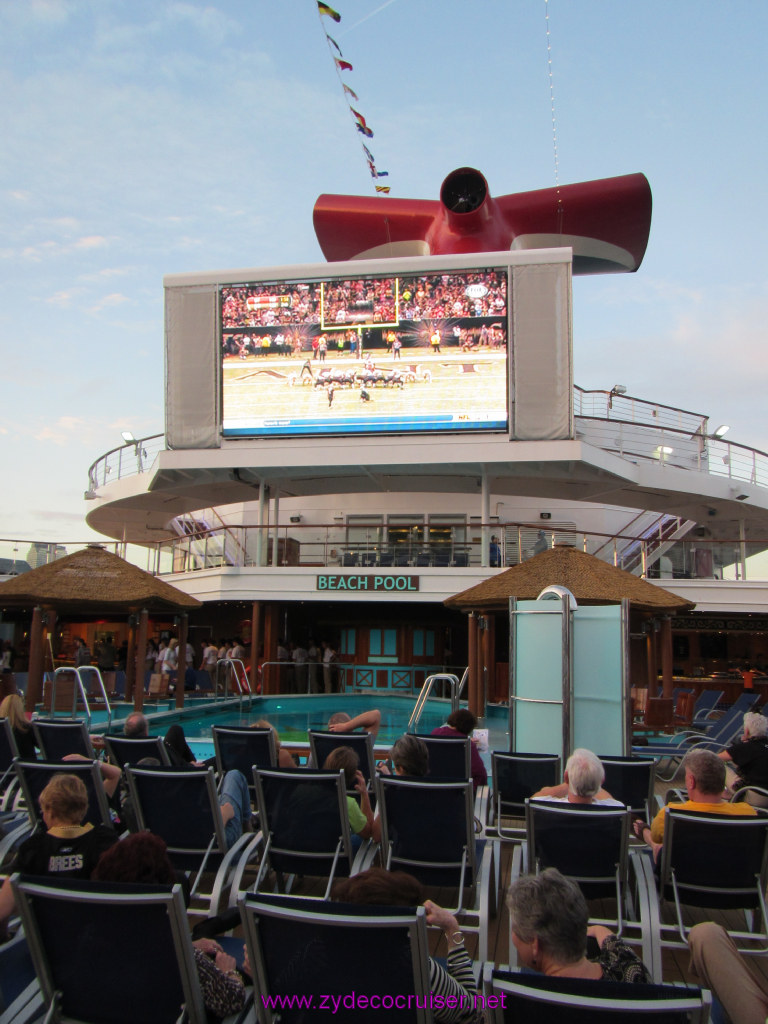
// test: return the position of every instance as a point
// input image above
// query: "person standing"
(329, 656)
(82, 653)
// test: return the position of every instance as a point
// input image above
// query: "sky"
(144, 138)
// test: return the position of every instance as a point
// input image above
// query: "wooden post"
(666, 656)
(181, 669)
(255, 643)
(132, 676)
(141, 648)
(650, 647)
(472, 660)
(35, 673)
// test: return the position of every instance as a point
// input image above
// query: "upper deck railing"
(630, 428)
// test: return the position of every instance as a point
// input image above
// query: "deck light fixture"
(722, 429)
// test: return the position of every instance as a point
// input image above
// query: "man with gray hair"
(705, 783)
(582, 782)
(749, 757)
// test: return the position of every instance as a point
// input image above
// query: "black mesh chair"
(8, 752)
(304, 825)
(590, 845)
(515, 778)
(322, 743)
(632, 781)
(539, 999)
(717, 862)
(124, 750)
(34, 776)
(323, 949)
(428, 830)
(449, 756)
(58, 737)
(243, 748)
(181, 806)
(88, 939)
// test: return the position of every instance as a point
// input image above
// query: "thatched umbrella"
(589, 579)
(92, 581)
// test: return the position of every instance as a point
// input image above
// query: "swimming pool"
(293, 716)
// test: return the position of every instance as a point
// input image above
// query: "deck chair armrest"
(482, 805)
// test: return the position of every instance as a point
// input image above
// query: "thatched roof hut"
(589, 579)
(93, 580)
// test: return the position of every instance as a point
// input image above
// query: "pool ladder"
(81, 690)
(456, 686)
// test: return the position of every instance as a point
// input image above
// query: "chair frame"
(480, 878)
(271, 845)
(228, 865)
(254, 906)
(360, 742)
(118, 746)
(224, 762)
(498, 805)
(632, 895)
(591, 1000)
(88, 771)
(49, 732)
(745, 892)
(450, 744)
(83, 895)
(623, 770)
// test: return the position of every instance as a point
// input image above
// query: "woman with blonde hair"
(284, 759)
(12, 708)
(67, 849)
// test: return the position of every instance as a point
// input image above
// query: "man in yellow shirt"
(705, 783)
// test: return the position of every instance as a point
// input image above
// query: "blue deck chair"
(124, 750)
(111, 954)
(449, 756)
(705, 707)
(718, 735)
(428, 830)
(540, 999)
(590, 845)
(632, 780)
(323, 949)
(8, 752)
(242, 748)
(304, 826)
(322, 743)
(713, 861)
(34, 776)
(58, 737)
(181, 806)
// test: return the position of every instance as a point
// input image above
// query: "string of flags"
(325, 10)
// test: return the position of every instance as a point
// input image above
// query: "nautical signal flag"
(329, 11)
(361, 124)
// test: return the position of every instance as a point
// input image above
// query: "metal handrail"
(80, 688)
(426, 690)
(235, 664)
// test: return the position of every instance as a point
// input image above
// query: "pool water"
(293, 716)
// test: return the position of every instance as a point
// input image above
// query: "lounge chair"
(322, 743)
(110, 954)
(242, 748)
(713, 861)
(181, 805)
(428, 830)
(304, 826)
(449, 756)
(539, 999)
(515, 777)
(34, 776)
(58, 737)
(124, 750)
(631, 780)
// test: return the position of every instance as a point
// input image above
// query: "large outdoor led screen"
(374, 354)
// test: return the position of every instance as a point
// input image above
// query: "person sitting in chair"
(705, 783)
(67, 849)
(749, 754)
(460, 723)
(582, 782)
(409, 756)
(142, 859)
(360, 815)
(455, 982)
(549, 918)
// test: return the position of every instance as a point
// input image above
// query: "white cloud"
(108, 302)
(90, 242)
